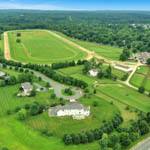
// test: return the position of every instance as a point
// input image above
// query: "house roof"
(26, 86)
(2, 74)
(69, 106)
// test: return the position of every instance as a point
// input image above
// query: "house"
(2, 74)
(74, 109)
(123, 68)
(93, 72)
(143, 57)
(27, 88)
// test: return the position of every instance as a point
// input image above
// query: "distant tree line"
(25, 76)
(49, 72)
(67, 64)
(96, 134)
(122, 138)
(128, 30)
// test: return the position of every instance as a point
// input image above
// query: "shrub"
(141, 89)
(22, 114)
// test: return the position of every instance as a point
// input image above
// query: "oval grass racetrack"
(41, 46)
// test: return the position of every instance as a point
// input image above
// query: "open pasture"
(60, 126)
(107, 51)
(127, 96)
(141, 78)
(26, 133)
(42, 47)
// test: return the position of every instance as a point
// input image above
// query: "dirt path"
(6, 47)
(143, 145)
(90, 54)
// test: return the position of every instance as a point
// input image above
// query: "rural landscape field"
(31, 48)
(74, 80)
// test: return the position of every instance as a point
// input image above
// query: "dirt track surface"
(89, 53)
(6, 47)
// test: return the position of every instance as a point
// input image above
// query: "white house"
(2, 74)
(93, 72)
(27, 88)
(75, 109)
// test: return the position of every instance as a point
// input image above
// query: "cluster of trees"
(90, 136)
(12, 80)
(92, 64)
(148, 61)
(32, 109)
(124, 137)
(68, 91)
(125, 54)
(102, 73)
(49, 72)
(67, 64)
(107, 73)
(9, 80)
(124, 29)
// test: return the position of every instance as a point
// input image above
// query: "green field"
(61, 126)
(26, 135)
(127, 96)
(106, 51)
(141, 78)
(41, 47)
(108, 88)
(77, 72)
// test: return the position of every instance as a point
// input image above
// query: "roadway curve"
(143, 145)
(58, 87)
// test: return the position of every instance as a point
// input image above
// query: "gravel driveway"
(58, 87)
(144, 145)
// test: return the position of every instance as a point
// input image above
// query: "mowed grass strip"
(141, 78)
(19, 135)
(60, 126)
(39, 46)
(16, 136)
(127, 95)
(106, 51)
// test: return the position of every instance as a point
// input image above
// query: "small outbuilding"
(93, 72)
(2, 74)
(26, 89)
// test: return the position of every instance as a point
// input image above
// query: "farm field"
(31, 127)
(42, 47)
(28, 130)
(141, 78)
(60, 126)
(106, 51)
(108, 88)
(127, 96)
(77, 72)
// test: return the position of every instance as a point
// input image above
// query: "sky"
(76, 4)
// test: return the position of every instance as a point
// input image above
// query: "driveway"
(58, 87)
(144, 145)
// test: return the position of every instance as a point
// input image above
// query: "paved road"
(58, 87)
(144, 145)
